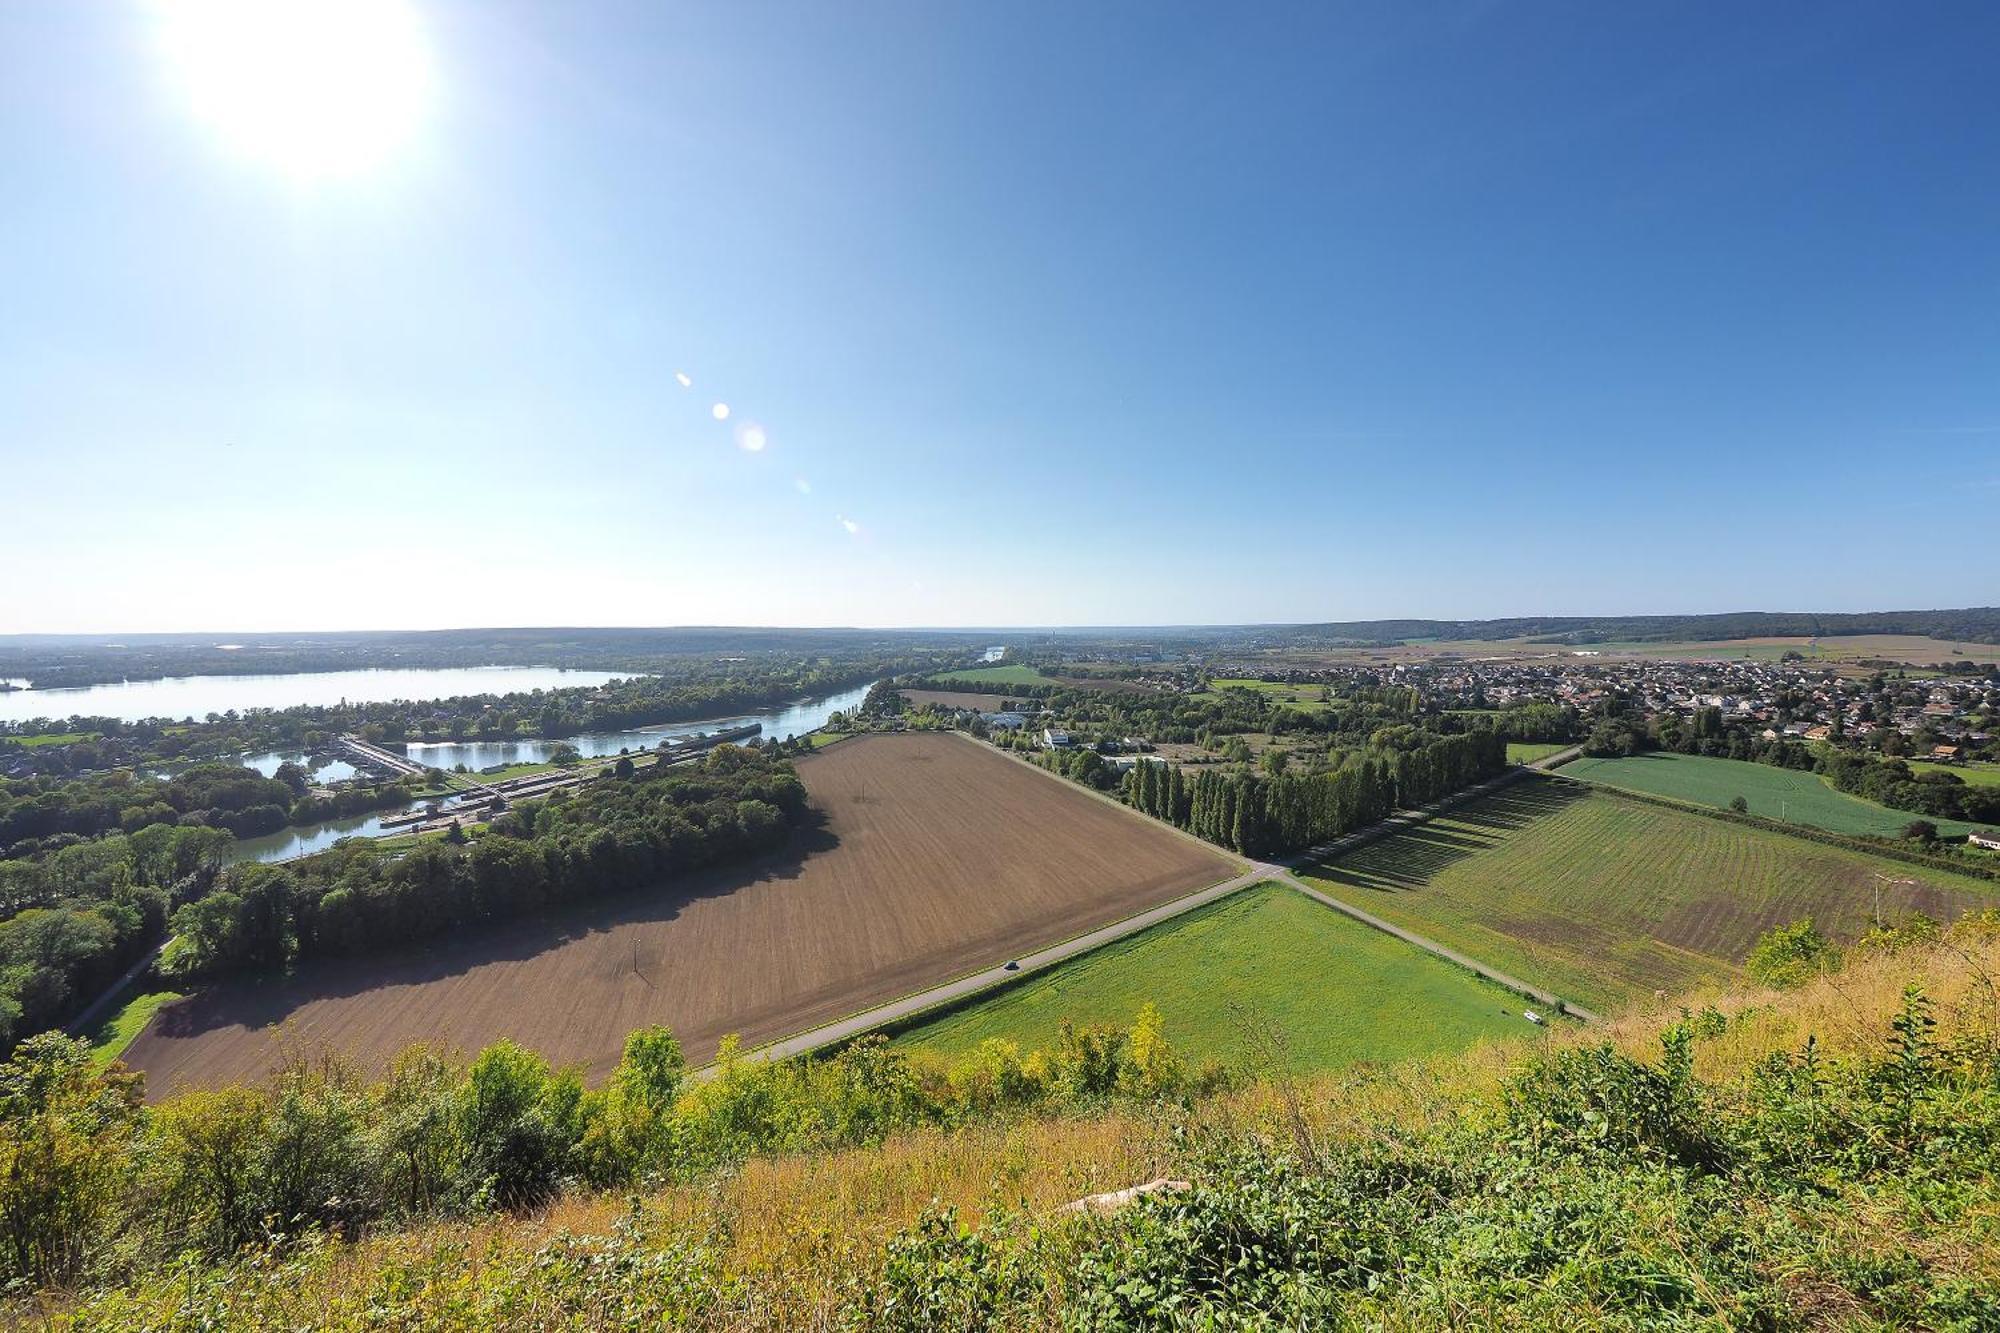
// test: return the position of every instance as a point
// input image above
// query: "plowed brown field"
(938, 856)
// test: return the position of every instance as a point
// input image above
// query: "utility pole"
(1880, 880)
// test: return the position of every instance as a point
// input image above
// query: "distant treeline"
(1263, 815)
(615, 833)
(52, 660)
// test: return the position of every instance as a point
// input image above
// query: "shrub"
(1788, 956)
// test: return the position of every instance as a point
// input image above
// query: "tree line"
(1267, 815)
(42, 815)
(78, 918)
(626, 829)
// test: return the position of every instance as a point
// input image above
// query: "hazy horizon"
(971, 628)
(1026, 316)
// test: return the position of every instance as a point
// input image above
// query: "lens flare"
(682, 376)
(750, 438)
(720, 411)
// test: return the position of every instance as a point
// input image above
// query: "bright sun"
(316, 88)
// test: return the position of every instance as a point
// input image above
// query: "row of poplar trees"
(1263, 816)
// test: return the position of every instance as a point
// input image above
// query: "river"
(197, 696)
(779, 723)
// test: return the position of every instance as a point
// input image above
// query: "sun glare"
(316, 88)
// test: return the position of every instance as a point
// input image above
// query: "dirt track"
(938, 856)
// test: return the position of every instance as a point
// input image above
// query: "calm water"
(787, 720)
(324, 768)
(288, 843)
(793, 719)
(198, 696)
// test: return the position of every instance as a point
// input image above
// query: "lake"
(181, 697)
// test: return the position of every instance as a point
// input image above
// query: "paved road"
(79, 1025)
(1256, 872)
(1549, 761)
(855, 1025)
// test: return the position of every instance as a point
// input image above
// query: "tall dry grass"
(793, 1231)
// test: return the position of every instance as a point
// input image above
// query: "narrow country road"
(853, 1026)
(1256, 872)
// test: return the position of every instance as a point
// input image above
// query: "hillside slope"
(1823, 1158)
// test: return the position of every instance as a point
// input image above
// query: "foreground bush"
(96, 1182)
(1824, 1160)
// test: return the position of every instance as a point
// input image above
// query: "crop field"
(1011, 674)
(985, 703)
(1527, 752)
(1338, 991)
(1607, 900)
(1774, 793)
(937, 856)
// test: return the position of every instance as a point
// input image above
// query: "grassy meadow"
(1972, 775)
(1607, 900)
(1774, 793)
(1013, 673)
(53, 738)
(506, 774)
(1339, 992)
(1527, 752)
(109, 1038)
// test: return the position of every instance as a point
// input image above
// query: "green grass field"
(1011, 674)
(1339, 991)
(1607, 900)
(1527, 752)
(1774, 793)
(1972, 775)
(511, 771)
(114, 1033)
(53, 738)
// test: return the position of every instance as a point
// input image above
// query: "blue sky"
(1118, 313)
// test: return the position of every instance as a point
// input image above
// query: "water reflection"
(324, 768)
(288, 843)
(781, 723)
